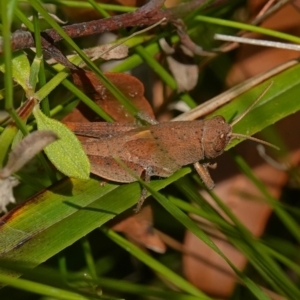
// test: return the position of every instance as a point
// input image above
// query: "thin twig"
(218, 101)
(249, 41)
(146, 15)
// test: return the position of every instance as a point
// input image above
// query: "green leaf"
(20, 69)
(34, 74)
(60, 215)
(66, 154)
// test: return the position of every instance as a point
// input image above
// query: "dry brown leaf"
(186, 75)
(130, 86)
(139, 229)
(182, 66)
(107, 52)
(30, 146)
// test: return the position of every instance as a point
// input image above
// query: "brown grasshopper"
(156, 150)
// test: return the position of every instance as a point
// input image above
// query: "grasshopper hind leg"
(204, 174)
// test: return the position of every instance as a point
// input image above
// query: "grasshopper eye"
(220, 143)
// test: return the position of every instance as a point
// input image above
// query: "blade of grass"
(252, 28)
(285, 218)
(40, 289)
(154, 264)
(8, 6)
(254, 252)
(42, 77)
(143, 290)
(79, 4)
(89, 257)
(192, 226)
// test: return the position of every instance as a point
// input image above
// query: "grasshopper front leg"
(204, 174)
(147, 177)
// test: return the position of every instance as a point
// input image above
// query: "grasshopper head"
(216, 136)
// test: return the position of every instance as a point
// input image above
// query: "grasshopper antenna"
(238, 135)
(252, 105)
(242, 136)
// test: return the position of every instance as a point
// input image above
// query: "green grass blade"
(155, 265)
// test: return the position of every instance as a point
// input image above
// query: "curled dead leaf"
(89, 83)
(107, 52)
(182, 66)
(30, 146)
